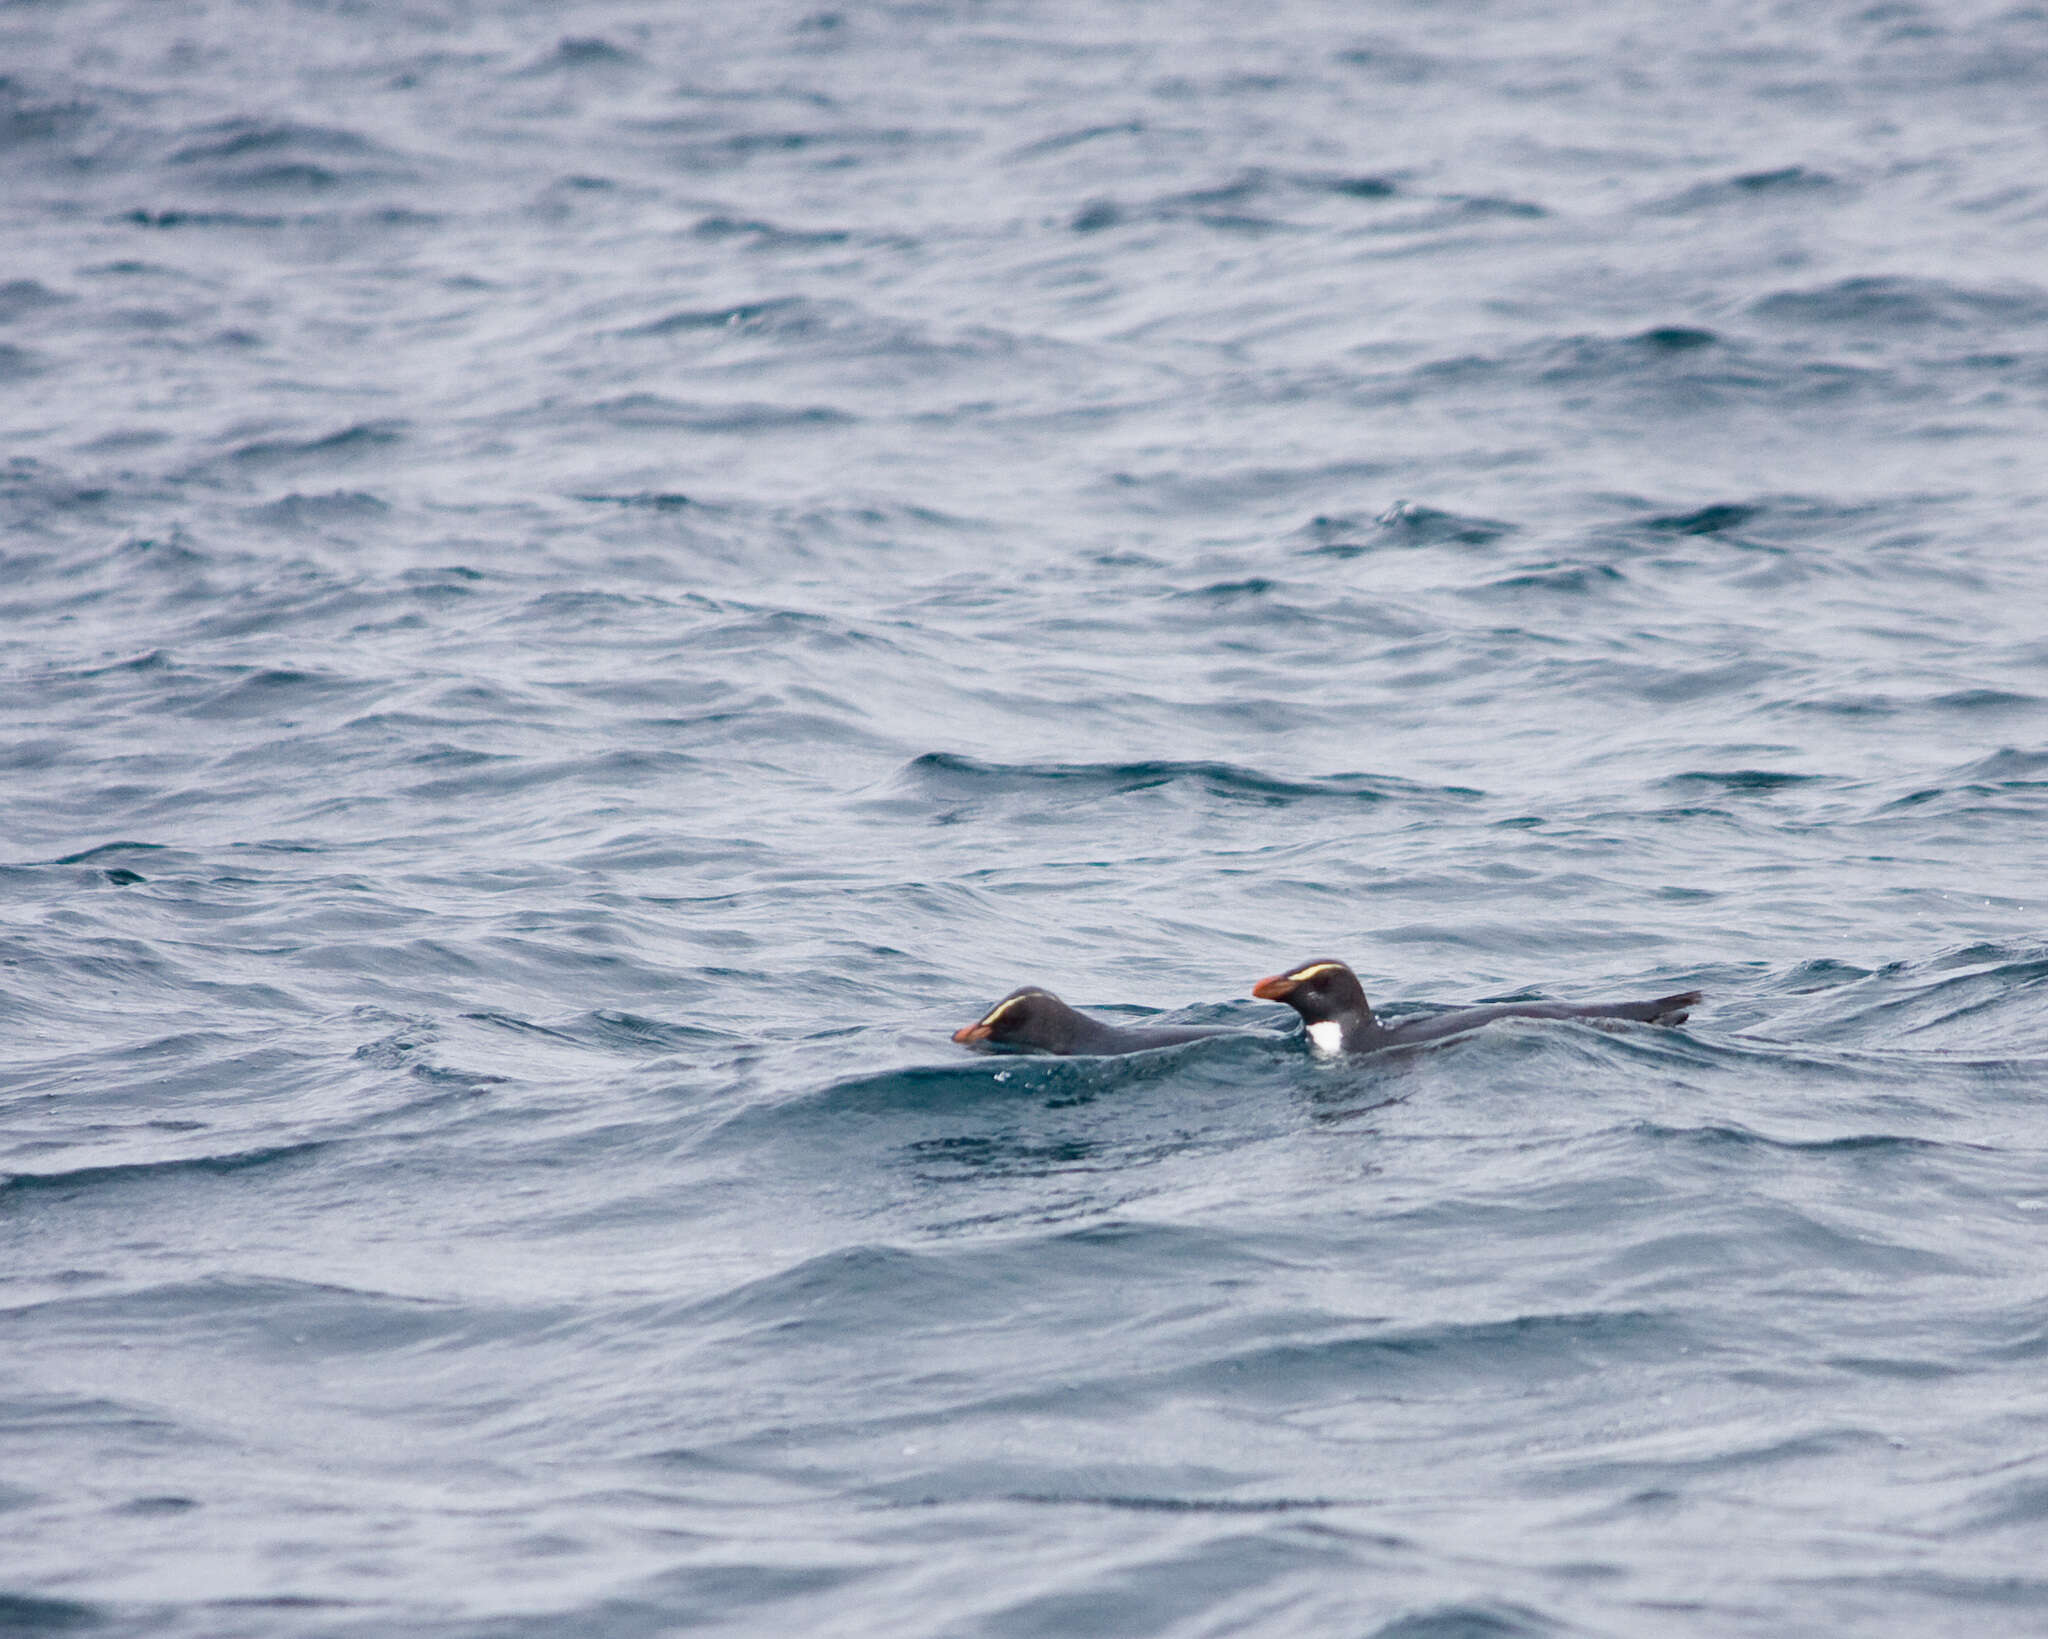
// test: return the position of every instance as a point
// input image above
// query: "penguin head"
(1326, 994)
(1027, 1017)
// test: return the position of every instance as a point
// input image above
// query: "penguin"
(1036, 1020)
(1332, 1004)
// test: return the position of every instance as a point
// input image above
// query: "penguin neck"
(1355, 1028)
(1081, 1034)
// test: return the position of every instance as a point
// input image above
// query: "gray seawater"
(582, 583)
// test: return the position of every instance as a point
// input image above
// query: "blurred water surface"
(582, 583)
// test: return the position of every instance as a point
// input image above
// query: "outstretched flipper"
(1664, 1010)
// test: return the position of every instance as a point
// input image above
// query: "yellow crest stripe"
(1006, 1004)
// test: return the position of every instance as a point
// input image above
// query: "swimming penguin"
(1332, 1004)
(1039, 1021)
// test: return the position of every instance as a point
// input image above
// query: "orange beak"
(1274, 989)
(970, 1033)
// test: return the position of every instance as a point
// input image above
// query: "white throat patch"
(1326, 1035)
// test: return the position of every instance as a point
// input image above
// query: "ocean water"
(583, 583)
